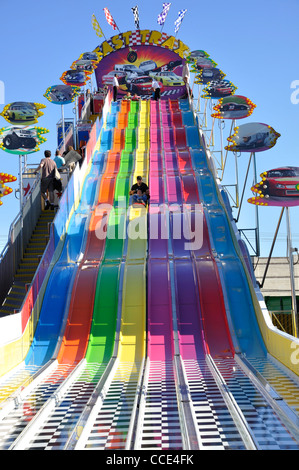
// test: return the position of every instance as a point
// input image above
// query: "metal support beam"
(292, 277)
(261, 284)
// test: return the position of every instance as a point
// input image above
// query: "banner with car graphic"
(22, 140)
(208, 74)
(217, 89)
(62, 94)
(252, 137)
(233, 107)
(76, 78)
(136, 57)
(22, 112)
(279, 187)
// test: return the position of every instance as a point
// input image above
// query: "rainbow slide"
(149, 331)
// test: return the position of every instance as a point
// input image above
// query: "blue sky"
(255, 44)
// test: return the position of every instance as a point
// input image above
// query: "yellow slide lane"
(133, 322)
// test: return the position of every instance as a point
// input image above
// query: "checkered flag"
(162, 16)
(178, 22)
(136, 16)
(96, 26)
(109, 18)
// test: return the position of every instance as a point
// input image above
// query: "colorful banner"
(21, 112)
(84, 65)
(162, 16)
(138, 38)
(202, 63)
(217, 89)
(96, 56)
(96, 26)
(279, 187)
(207, 75)
(194, 55)
(75, 77)
(62, 94)
(67, 127)
(109, 18)
(252, 137)
(178, 21)
(148, 55)
(233, 107)
(136, 78)
(22, 140)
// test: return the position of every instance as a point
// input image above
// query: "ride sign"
(279, 187)
(136, 57)
(22, 140)
(252, 137)
(61, 94)
(22, 112)
(233, 107)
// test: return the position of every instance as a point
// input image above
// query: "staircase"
(28, 265)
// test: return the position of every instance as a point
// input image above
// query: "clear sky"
(254, 43)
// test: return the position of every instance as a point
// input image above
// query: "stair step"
(4, 312)
(30, 259)
(11, 304)
(28, 265)
(24, 277)
(15, 297)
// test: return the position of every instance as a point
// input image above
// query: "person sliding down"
(140, 192)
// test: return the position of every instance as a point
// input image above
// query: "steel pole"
(62, 118)
(258, 248)
(21, 201)
(292, 277)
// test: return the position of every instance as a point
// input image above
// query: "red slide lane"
(212, 307)
(77, 330)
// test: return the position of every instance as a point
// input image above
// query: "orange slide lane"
(77, 329)
(119, 140)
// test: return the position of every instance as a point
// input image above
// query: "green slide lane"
(103, 328)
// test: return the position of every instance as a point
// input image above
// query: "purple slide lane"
(202, 322)
(160, 327)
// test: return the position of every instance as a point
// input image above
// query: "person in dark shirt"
(140, 192)
(48, 167)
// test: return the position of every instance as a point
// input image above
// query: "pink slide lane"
(160, 327)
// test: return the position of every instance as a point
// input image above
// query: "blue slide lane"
(63, 273)
(241, 309)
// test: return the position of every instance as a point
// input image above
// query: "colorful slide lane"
(103, 326)
(214, 324)
(82, 302)
(158, 419)
(109, 425)
(180, 189)
(193, 306)
(76, 334)
(252, 332)
(59, 283)
(74, 341)
(107, 349)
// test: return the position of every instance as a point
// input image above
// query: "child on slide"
(140, 192)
